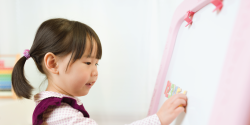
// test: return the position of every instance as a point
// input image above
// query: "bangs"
(78, 43)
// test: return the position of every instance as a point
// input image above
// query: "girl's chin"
(84, 93)
(78, 94)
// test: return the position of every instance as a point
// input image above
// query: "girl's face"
(79, 77)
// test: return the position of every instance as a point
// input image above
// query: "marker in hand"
(184, 92)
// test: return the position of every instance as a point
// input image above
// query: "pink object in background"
(232, 103)
(1, 64)
(188, 17)
(217, 3)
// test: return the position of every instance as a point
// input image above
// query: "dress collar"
(46, 94)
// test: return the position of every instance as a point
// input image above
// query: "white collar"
(46, 94)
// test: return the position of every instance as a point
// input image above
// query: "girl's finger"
(177, 96)
(178, 110)
(178, 103)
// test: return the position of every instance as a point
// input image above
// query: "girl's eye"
(88, 63)
(96, 64)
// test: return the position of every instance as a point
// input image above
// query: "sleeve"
(150, 120)
(65, 115)
(78, 119)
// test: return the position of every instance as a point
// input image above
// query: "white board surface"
(198, 59)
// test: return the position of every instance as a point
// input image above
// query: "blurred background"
(133, 35)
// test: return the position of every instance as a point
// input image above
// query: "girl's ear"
(51, 63)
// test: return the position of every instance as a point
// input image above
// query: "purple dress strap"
(37, 118)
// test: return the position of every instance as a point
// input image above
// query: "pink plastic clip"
(188, 18)
(217, 3)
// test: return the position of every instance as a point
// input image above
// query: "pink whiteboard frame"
(232, 103)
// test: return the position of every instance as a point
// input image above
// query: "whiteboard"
(198, 58)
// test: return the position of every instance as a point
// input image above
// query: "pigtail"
(20, 84)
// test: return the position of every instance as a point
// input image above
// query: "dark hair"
(60, 37)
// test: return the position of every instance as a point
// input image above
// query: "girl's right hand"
(171, 108)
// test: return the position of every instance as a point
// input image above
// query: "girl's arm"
(170, 109)
(151, 120)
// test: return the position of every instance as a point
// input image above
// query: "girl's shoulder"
(59, 104)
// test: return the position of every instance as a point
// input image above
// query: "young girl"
(67, 52)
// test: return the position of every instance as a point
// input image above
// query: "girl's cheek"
(80, 81)
(79, 73)
(81, 76)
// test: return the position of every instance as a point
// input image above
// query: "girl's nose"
(94, 72)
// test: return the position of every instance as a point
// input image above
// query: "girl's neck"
(54, 88)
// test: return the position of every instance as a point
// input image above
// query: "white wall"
(132, 33)
(16, 112)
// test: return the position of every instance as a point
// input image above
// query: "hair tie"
(26, 53)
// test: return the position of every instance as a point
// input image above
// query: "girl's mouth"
(90, 84)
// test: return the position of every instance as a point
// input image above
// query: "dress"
(58, 109)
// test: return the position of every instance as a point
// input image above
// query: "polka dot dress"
(65, 114)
